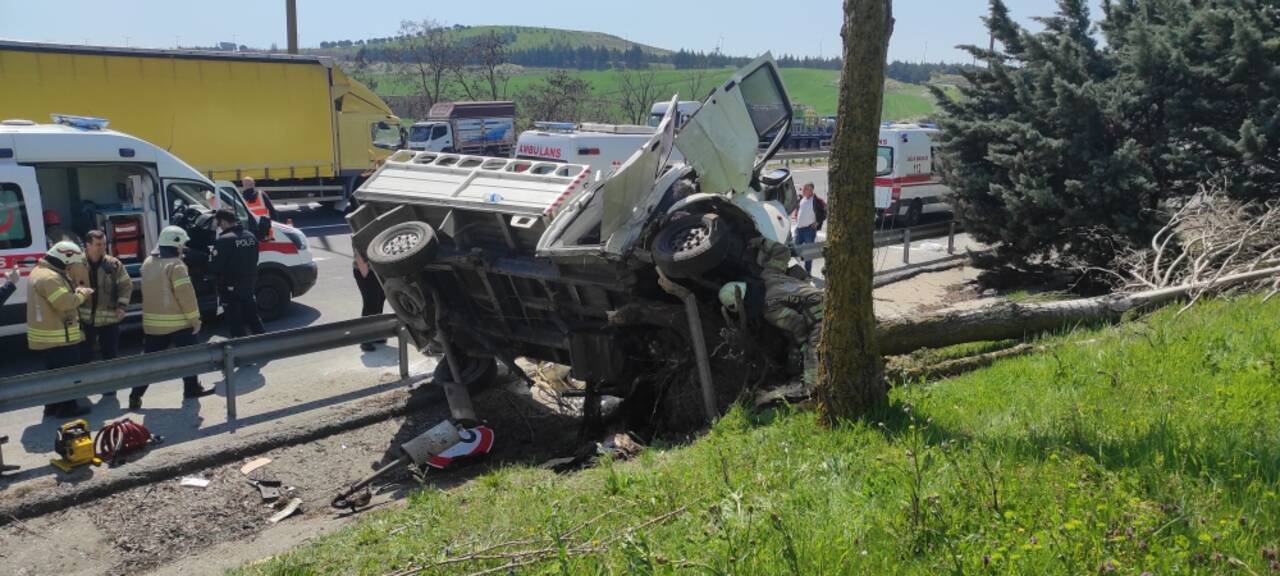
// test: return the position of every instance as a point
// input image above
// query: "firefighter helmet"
(66, 252)
(173, 237)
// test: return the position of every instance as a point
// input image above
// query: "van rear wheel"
(915, 211)
(403, 249)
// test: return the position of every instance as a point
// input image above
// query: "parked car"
(75, 175)
(498, 257)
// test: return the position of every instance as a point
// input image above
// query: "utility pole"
(291, 16)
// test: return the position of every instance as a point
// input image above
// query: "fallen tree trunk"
(1015, 320)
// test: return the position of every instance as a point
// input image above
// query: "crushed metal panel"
(634, 179)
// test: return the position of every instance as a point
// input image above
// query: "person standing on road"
(170, 312)
(809, 216)
(235, 265)
(371, 296)
(257, 201)
(102, 311)
(53, 320)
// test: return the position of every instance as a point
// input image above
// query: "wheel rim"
(402, 243)
(690, 238)
(268, 298)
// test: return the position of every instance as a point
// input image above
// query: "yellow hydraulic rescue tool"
(74, 443)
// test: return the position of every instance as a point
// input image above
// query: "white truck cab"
(57, 181)
(908, 182)
(602, 147)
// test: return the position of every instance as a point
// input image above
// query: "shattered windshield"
(764, 102)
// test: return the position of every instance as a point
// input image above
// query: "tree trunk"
(850, 377)
(1014, 320)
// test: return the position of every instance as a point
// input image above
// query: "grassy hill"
(523, 38)
(1146, 448)
(814, 87)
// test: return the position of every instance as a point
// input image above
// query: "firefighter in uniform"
(170, 314)
(101, 312)
(235, 264)
(792, 305)
(53, 318)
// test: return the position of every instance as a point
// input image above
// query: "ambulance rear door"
(22, 239)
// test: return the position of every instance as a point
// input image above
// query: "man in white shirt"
(806, 218)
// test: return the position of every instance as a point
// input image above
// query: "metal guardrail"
(904, 236)
(40, 388)
(788, 157)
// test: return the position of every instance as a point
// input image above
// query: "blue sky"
(925, 28)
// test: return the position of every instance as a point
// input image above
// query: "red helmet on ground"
(51, 218)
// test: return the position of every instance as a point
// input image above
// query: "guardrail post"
(228, 377)
(951, 237)
(402, 337)
(906, 245)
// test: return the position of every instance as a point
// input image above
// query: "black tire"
(915, 211)
(273, 295)
(477, 372)
(402, 249)
(690, 245)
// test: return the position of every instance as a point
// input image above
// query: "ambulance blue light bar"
(81, 122)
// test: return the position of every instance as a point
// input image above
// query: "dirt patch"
(145, 528)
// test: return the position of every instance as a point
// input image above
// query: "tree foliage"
(1063, 144)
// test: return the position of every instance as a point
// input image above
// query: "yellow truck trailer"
(297, 124)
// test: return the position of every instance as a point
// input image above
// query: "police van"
(908, 180)
(60, 180)
(603, 147)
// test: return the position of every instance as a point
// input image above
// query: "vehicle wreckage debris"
(290, 509)
(254, 464)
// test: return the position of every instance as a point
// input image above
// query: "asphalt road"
(284, 388)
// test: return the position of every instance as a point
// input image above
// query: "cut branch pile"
(1208, 238)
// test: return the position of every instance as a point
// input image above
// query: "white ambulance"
(908, 182)
(61, 180)
(603, 147)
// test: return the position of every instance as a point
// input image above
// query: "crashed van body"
(504, 258)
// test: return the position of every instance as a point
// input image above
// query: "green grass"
(1150, 448)
(814, 87)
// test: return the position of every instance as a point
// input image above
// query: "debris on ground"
(194, 482)
(289, 509)
(254, 464)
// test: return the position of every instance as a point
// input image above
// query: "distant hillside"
(520, 38)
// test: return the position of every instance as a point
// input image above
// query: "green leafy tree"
(1061, 146)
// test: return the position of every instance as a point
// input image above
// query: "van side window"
(15, 228)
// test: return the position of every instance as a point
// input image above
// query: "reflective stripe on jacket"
(168, 298)
(52, 303)
(112, 291)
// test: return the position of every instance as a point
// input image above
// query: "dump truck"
(497, 258)
(297, 124)
(470, 127)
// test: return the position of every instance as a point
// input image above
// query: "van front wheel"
(273, 295)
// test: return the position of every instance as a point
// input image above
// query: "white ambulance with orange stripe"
(58, 181)
(602, 147)
(908, 182)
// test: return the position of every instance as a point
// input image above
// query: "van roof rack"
(81, 122)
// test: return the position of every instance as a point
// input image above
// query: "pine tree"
(1063, 145)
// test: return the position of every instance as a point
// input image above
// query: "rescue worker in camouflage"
(170, 313)
(101, 312)
(792, 305)
(53, 320)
